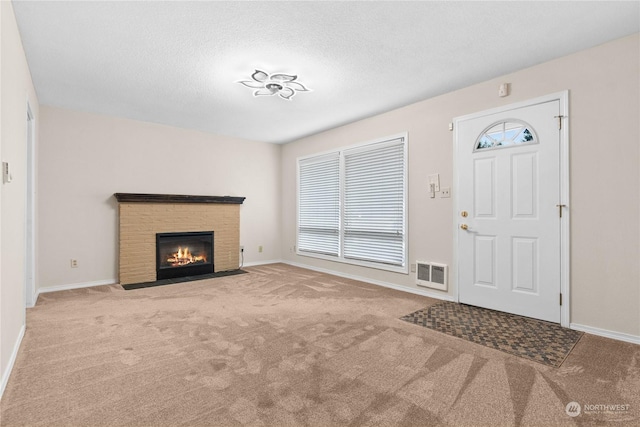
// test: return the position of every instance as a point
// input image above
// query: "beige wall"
(605, 183)
(85, 158)
(16, 89)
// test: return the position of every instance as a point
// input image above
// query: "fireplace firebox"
(184, 254)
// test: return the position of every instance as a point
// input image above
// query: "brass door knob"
(464, 226)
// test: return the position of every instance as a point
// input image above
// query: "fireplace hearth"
(184, 254)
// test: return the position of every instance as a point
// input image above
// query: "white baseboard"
(255, 263)
(421, 292)
(74, 286)
(12, 360)
(620, 336)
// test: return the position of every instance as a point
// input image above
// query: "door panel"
(524, 191)
(485, 260)
(484, 183)
(525, 264)
(509, 182)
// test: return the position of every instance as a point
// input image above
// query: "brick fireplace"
(143, 216)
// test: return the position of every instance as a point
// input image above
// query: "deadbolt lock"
(464, 214)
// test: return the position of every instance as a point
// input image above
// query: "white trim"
(75, 286)
(256, 263)
(30, 201)
(404, 135)
(562, 96)
(619, 336)
(565, 264)
(12, 360)
(421, 292)
(565, 226)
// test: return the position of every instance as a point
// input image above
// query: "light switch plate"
(6, 174)
(435, 180)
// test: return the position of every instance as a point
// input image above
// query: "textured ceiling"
(177, 63)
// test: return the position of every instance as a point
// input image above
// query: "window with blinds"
(352, 205)
(319, 204)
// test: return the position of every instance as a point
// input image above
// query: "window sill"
(378, 266)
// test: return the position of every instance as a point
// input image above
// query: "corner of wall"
(16, 90)
(6, 372)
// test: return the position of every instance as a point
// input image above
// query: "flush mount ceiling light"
(283, 85)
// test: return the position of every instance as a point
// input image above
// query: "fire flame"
(184, 257)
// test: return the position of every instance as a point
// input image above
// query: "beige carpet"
(286, 346)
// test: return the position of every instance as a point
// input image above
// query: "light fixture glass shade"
(283, 85)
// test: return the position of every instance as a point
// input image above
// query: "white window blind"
(319, 205)
(352, 205)
(374, 203)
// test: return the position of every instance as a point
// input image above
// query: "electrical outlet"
(445, 192)
(74, 263)
(259, 248)
(241, 248)
(413, 268)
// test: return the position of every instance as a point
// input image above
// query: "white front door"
(508, 216)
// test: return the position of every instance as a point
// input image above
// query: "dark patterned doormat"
(543, 342)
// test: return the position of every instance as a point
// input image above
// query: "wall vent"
(431, 275)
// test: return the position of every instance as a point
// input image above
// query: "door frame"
(565, 241)
(30, 217)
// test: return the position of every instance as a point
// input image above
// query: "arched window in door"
(506, 133)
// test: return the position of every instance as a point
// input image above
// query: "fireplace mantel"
(175, 198)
